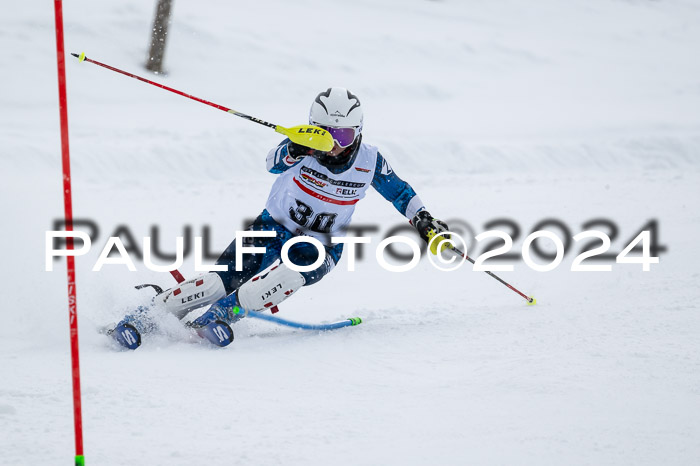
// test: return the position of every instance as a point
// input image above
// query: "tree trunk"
(159, 34)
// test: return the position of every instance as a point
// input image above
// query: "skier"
(314, 195)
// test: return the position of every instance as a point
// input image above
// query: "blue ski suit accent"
(283, 161)
(391, 187)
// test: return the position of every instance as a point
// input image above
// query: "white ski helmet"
(338, 108)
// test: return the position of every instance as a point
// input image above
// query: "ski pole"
(530, 300)
(306, 135)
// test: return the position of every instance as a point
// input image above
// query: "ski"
(129, 330)
(350, 322)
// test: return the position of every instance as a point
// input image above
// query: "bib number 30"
(304, 216)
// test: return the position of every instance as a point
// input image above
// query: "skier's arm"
(286, 155)
(395, 190)
(406, 201)
(279, 160)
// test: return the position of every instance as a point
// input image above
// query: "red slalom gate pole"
(68, 211)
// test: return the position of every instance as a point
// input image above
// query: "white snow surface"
(504, 109)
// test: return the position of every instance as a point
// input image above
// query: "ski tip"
(531, 301)
(355, 321)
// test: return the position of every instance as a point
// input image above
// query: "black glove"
(428, 227)
(297, 151)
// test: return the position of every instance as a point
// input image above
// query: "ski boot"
(215, 324)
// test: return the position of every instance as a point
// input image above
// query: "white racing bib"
(308, 199)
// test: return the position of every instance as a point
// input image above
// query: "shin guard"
(192, 294)
(270, 289)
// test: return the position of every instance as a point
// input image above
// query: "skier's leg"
(214, 324)
(255, 292)
(281, 282)
(270, 289)
(306, 254)
(180, 300)
(261, 292)
(192, 294)
(252, 265)
(210, 287)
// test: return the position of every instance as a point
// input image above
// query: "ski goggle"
(343, 136)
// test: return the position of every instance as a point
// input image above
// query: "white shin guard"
(270, 289)
(192, 294)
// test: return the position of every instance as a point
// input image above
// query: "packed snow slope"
(503, 111)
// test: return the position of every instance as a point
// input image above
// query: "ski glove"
(428, 227)
(297, 151)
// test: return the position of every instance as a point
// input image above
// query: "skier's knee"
(270, 289)
(308, 254)
(233, 279)
(319, 272)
